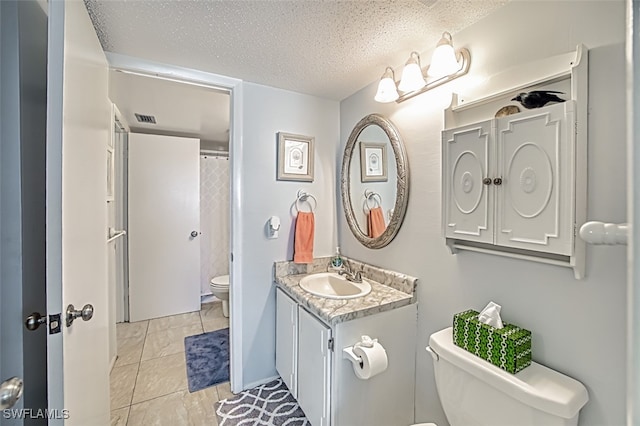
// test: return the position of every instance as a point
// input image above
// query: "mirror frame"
(402, 182)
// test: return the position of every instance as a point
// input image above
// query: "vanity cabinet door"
(468, 199)
(535, 198)
(287, 340)
(314, 369)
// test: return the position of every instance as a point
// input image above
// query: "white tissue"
(490, 315)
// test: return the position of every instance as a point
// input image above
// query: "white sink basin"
(334, 286)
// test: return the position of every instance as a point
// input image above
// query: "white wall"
(268, 111)
(578, 326)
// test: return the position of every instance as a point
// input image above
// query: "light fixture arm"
(465, 59)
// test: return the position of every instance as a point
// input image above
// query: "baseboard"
(260, 382)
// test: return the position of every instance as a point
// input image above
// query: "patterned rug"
(267, 405)
(207, 359)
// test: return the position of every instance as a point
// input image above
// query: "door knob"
(34, 321)
(86, 313)
(10, 392)
(194, 234)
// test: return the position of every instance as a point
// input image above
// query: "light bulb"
(443, 61)
(387, 91)
(412, 78)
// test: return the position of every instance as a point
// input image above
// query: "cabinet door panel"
(314, 363)
(468, 203)
(287, 340)
(535, 158)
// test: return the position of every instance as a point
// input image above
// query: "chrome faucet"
(353, 277)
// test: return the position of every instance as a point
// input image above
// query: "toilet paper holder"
(347, 353)
(365, 342)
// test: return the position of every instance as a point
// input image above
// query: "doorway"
(156, 110)
(232, 89)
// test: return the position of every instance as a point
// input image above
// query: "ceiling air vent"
(148, 119)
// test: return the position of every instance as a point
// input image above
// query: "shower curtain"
(214, 219)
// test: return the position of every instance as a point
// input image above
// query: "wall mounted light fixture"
(446, 65)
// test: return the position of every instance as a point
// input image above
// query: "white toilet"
(474, 392)
(220, 289)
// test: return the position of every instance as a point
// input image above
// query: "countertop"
(333, 311)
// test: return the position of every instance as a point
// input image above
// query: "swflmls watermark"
(40, 413)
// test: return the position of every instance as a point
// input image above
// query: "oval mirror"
(374, 181)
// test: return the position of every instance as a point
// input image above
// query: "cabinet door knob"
(486, 181)
(497, 181)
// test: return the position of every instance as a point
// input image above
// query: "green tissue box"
(508, 348)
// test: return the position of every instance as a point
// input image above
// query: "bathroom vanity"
(312, 331)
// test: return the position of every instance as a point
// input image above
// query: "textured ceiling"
(329, 49)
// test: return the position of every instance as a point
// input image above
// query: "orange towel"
(375, 222)
(303, 239)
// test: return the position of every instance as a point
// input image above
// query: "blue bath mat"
(207, 359)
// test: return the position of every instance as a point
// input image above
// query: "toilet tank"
(474, 392)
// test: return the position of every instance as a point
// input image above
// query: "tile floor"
(149, 379)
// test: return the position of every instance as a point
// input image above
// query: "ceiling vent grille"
(148, 119)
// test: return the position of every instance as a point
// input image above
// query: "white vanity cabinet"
(287, 341)
(510, 181)
(309, 354)
(314, 368)
(303, 358)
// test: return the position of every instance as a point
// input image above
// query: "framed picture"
(295, 157)
(373, 162)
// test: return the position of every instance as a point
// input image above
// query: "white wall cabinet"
(510, 181)
(516, 185)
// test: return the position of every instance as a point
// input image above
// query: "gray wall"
(578, 326)
(268, 111)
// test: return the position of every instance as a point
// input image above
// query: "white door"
(314, 368)
(535, 159)
(164, 226)
(287, 340)
(78, 129)
(468, 199)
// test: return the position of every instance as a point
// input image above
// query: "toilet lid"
(222, 280)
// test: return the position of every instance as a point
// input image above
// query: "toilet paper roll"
(374, 361)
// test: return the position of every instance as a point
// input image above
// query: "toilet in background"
(474, 392)
(220, 289)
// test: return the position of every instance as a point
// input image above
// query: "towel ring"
(302, 197)
(370, 195)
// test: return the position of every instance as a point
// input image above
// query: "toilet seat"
(220, 281)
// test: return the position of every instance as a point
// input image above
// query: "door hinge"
(330, 344)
